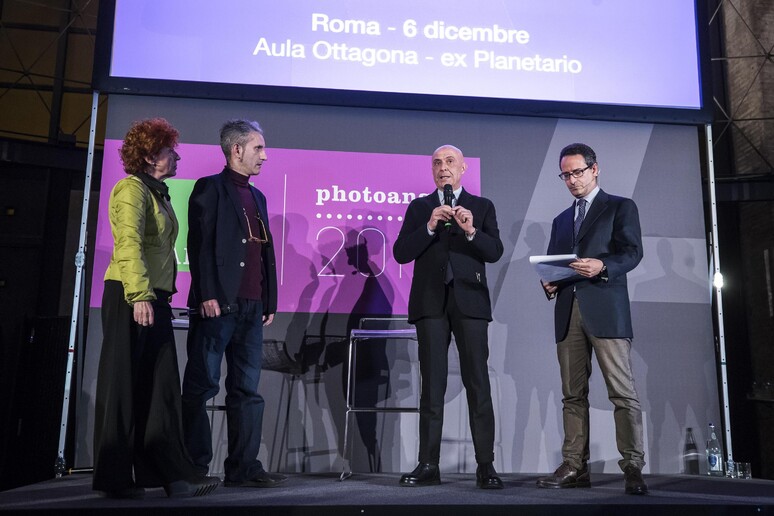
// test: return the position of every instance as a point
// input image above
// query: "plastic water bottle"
(714, 454)
(690, 454)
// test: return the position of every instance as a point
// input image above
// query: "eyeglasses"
(261, 229)
(564, 176)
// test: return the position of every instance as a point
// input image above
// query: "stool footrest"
(383, 409)
(407, 333)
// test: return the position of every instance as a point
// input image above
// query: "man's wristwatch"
(603, 273)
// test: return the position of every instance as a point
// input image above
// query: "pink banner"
(334, 217)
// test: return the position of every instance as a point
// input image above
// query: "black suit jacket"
(432, 253)
(610, 232)
(217, 242)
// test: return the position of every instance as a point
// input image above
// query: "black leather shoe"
(486, 477)
(260, 479)
(423, 475)
(130, 493)
(566, 476)
(633, 481)
(188, 488)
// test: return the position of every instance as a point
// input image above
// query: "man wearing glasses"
(592, 314)
(233, 296)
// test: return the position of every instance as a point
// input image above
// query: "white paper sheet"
(554, 267)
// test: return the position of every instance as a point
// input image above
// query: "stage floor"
(379, 493)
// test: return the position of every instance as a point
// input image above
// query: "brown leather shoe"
(566, 476)
(633, 481)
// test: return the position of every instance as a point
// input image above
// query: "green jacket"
(144, 229)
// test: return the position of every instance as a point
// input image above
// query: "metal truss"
(744, 67)
(37, 71)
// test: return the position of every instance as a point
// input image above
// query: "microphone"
(448, 199)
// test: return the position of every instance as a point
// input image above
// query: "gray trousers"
(613, 357)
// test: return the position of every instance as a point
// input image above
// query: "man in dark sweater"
(233, 295)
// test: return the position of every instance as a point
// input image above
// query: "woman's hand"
(143, 313)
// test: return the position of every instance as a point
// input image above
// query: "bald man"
(450, 237)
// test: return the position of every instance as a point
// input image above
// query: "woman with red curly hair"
(138, 439)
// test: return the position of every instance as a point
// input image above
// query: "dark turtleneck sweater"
(250, 288)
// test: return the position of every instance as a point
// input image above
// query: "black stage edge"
(379, 494)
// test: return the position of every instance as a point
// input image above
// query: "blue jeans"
(240, 336)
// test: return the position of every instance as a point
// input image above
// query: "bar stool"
(309, 372)
(357, 335)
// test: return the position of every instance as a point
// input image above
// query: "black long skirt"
(138, 438)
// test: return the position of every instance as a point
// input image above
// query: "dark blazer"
(611, 233)
(217, 244)
(432, 253)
